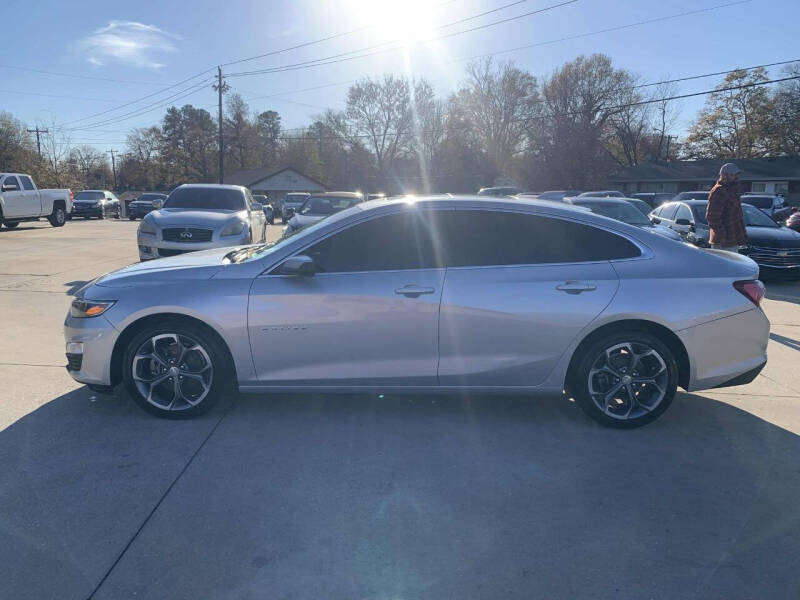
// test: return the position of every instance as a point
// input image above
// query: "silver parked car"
(201, 216)
(432, 294)
(319, 206)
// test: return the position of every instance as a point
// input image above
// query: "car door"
(15, 203)
(519, 289)
(31, 198)
(255, 218)
(370, 317)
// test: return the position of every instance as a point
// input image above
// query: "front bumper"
(80, 211)
(139, 211)
(151, 246)
(90, 343)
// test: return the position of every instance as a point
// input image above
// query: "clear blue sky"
(164, 42)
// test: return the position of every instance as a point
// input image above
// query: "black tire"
(58, 217)
(11, 224)
(221, 371)
(131, 218)
(640, 410)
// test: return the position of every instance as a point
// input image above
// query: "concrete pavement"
(366, 497)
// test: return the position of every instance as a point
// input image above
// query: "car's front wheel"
(625, 380)
(175, 370)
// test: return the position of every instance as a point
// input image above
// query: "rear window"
(764, 202)
(668, 211)
(323, 206)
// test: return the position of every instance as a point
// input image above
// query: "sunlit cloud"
(128, 42)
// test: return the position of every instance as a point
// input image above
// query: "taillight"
(753, 289)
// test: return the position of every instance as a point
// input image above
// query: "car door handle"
(576, 287)
(414, 291)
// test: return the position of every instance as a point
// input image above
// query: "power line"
(336, 59)
(324, 39)
(606, 30)
(136, 101)
(57, 96)
(333, 58)
(16, 68)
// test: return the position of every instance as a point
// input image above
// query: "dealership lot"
(368, 497)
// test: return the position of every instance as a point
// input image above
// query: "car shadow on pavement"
(786, 341)
(788, 291)
(309, 496)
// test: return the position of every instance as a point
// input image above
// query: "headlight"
(234, 228)
(83, 309)
(147, 227)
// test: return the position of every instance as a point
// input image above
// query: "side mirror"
(158, 204)
(257, 207)
(10, 187)
(298, 265)
(289, 213)
(684, 222)
(655, 220)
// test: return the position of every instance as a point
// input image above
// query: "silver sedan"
(424, 295)
(201, 216)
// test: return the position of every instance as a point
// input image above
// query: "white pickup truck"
(20, 201)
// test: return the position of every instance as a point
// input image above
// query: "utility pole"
(669, 139)
(113, 167)
(221, 88)
(37, 131)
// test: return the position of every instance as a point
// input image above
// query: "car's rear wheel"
(58, 217)
(625, 380)
(175, 370)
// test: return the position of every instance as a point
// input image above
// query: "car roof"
(223, 186)
(601, 200)
(337, 195)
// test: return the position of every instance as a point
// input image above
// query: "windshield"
(150, 197)
(323, 206)
(753, 217)
(758, 201)
(89, 196)
(626, 213)
(295, 197)
(206, 198)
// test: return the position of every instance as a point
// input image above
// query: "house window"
(782, 188)
(758, 187)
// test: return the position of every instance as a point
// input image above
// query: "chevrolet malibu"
(424, 295)
(201, 216)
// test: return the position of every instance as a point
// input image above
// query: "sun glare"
(409, 22)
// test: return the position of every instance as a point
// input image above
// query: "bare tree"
(498, 103)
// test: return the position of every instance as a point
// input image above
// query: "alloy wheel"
(628, 380)
(172, 371)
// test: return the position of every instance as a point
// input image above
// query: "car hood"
(193, 265)
(300, 221)
(189, 217)
(777, 237)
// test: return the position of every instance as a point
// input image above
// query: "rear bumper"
(726, 351)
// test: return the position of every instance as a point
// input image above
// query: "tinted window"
(89, 196)
(683, 213)
(393, 242)
(151, 197)
(753, 217)
(484, 238)
(618, 211)
(668, 211)
(206, 198)
(758, 201)
(325, 205)
(11, 180)
(699, 211)
(26, 182)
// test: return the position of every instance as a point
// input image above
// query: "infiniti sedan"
(201, 216)
(424, 295)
